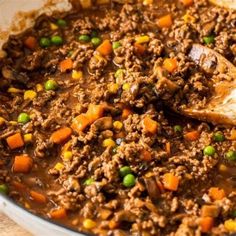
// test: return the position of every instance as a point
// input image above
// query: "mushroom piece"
(152, 188)
(124, 215)
(103, 123)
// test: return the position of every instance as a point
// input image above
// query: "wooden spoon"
(221, 106)
(230, 4)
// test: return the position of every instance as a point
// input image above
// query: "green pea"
(84, 38)
(57, 40)
(233, 213)
(94, 34)
(231, 155)
(119, 73)
(125, 170)
(129, 181)
(116, 45)
(178, 128)
(4, 189)
(209, 151)
(88, 181)
(218, 136)
(51, 85)
(45, 42)
(209, 39)
(96, 41)
(61, 23)
(23, 118)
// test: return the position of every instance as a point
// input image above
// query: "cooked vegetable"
(219, 136)
(15, 141)
(31, 42)
(30, 94)
(192, 136)
(67, 155)
(51, 85)
(129, 181)
(80, 123)
(61, 135)
(45, 42)
(61, 23)
(230, 225)
(59, 213)
(142, 39)
(170, 64)
(59, 166)
(210, 210)
(209, 151)
(57, 40)
(206, 224)
(77, 74)
(117, 125)
(170, 182)
(22, 164)
(150, 125)
(139, 48)
(231, 155)
(89, 224)
(23, 118)
(209, 39)
(84, 38)
(146, 155)
(28, 138)
(89, 181)
(187, 2)
(105, 48)
(126, 113)
(65, 65)
(94, 112)
(216, 193)
(4, 189)
(178, 129)
(165, 21)
(116, 45)
(108, 143)
(125, 170)
(38, 197)
(96, 41)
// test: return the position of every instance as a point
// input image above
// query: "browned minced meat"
(88, 183)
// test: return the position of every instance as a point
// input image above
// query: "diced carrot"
(59, 213)
(22, 164)
(94, 112)
(18, 186)
(146, 155)
(38, 197)
(170, 64)
(216, 193)
(30, 42)
(61, 135)
(170, 182)
(187, 2)
(113, 224)
(65, 65)
(126, 112)
(206, 224)
(150, 125)
(105, 48)
(15, 141)
(139, 48)
(80, 123)
(168, 148)
(192, 135)
(165, 21)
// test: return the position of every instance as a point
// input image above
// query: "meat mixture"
(88, 135)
